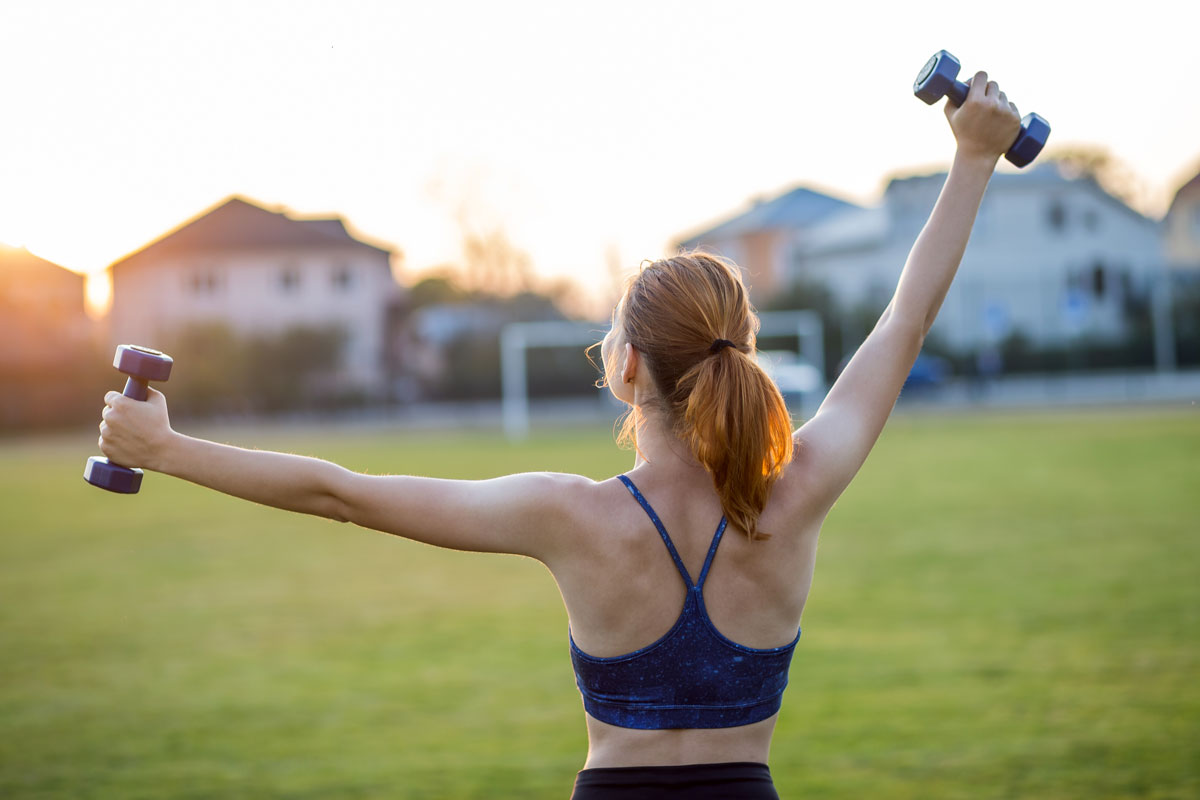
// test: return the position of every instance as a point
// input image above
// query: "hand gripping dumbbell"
(938, 78)
(142, 365)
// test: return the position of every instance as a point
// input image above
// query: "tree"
(218, 371)
(1110, 173)
(494, 264)
(436, 289)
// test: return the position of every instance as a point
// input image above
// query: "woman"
(675, 700)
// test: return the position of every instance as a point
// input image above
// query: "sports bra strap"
(662, 531)
(658, 524)
(712, 551)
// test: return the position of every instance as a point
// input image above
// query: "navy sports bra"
(692, 677)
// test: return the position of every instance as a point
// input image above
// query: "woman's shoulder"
(583, 513)
(568, 483)
(572, 494)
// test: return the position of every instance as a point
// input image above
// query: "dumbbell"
(938, 78)
(142, 365)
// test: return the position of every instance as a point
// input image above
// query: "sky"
(593, 134)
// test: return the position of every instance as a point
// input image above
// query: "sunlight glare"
(98, 293)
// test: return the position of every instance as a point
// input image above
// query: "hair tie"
(719, 344)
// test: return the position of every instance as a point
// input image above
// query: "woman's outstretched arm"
(838, 438)
(524, 514)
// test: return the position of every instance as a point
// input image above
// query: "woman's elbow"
(911, 327)
(337, 511)
(336, 497)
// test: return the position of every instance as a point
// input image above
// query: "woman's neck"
(659, 446)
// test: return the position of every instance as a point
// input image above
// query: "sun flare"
(98, 293)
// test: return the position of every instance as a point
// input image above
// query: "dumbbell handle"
(136, 389)
(957, 92)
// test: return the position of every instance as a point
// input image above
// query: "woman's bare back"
(623, 591)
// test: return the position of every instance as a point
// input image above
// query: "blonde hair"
(714, 397)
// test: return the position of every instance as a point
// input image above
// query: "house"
(1182, 229)
(43, 315)
(260, 270)
(1050, 257)
(49, 341)
(761, 239)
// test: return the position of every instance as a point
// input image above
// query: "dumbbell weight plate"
(115, 478)
(146, 364)
(939, 78)
(1030, 141)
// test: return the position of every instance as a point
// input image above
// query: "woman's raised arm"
(836, 441)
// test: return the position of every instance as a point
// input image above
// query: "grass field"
(1004, 607)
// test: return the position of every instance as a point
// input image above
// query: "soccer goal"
(799, 373)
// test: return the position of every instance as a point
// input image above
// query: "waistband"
(683, 776)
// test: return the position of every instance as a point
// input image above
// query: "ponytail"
(737, 425)
(690, 318)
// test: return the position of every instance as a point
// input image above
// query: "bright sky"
(589, 131)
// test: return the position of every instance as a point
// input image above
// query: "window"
(204, 281)
(343, 277)
(1056, 215)
(289, 279)
(1098, 281)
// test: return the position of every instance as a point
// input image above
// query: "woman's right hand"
(986, 124)
(134, 432)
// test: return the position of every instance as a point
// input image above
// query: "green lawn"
(1005, 607)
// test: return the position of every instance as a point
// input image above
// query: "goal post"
(516, 339)
(800, 372)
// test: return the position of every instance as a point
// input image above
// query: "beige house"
(48, 340)
(762, 239)
(1182, 227)
(260, 270)
(43, 316)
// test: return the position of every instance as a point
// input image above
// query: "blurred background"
(384, 233)
(350, 201)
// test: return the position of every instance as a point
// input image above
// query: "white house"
(259, 270)
(1050, 257)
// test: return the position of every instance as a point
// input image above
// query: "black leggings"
(743, 780)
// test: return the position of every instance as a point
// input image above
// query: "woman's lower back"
(610, 746)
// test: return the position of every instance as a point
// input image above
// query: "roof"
(36, 295)
(793, 209)
(18, 264)
(1046, 176)
(864, 229)
(858, 229)
(1185, 190)
(240, 224)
